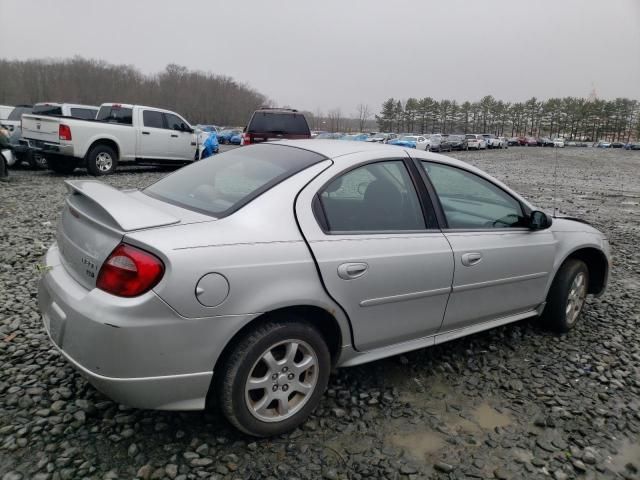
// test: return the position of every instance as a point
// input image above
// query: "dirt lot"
(514, 402)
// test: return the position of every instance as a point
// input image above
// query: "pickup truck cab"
(119, 133)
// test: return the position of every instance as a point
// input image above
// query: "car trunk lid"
(94, 221)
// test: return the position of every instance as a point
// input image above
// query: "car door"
(182, 145)
(154, 137)
(501, 266)
(388, 267)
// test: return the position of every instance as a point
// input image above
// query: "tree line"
(570, 117)
(201, 97)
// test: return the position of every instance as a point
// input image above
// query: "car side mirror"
(539, 220)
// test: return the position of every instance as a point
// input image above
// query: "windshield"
(222, 184)
(16, 113)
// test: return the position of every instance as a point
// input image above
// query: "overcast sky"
(339, 53)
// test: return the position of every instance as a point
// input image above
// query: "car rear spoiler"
(127, 212)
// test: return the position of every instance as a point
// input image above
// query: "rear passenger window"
(115, 114)
(373, 198)
(152, 119)
(173, 121)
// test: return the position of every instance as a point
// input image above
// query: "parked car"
(382, 137)
(545, 142)
(419, 142)
(189, 260)
(208, 128)
(491, 140)
(120, 133)
(6, 154)
(355, 137)
(558, 142)
(458, 142)
(603, 144)
(531, 141)
(276, 124)
(236, 139)
(329, 136)
(440, 143)
(224, 136)
(13, 120)
(476, 141)
(513, 142)
(632, 146)
(617, 145)
(503, 142)
(5, 110)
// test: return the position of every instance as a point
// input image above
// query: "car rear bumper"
(138, 351)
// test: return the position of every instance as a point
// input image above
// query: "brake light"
(246, 139)
(129, 272)
(64, 132)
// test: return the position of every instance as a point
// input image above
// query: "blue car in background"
(225, 135)
(406, 141)
(360, 137)
(329, 136)
(236, 139)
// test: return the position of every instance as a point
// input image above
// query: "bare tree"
(363, 114)
(335, 119)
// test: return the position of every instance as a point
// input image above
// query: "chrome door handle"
(471, 259)
(349, 271)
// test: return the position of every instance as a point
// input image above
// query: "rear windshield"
(471, 137)
(47, 110)
(222, 184)
(283, 123)
(113, 114)
(84, 113)
(16, 113)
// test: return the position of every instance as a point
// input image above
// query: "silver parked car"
(244, 278)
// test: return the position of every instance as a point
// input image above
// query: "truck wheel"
(274, 377)
(37, 161)
(4, 171)
(62, 165)
(102, 160)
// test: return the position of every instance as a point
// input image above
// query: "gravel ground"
(514, 402)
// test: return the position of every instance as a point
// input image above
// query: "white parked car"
(5, 110)
(119, 133)
(558, 142)
(476, 141)
(13, 119)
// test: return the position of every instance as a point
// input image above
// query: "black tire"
(102, 160)
(4, 170)
(62, 165)
(555, 315)
(37, 161)
(246, 356)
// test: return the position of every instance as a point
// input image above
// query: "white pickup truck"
(120, 133)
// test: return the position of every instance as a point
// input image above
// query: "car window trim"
(321, 216)
(526, 211)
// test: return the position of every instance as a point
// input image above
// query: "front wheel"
(274, 378)
(566, 296)
(102, 160)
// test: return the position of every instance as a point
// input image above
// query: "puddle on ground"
(628, 453)
(489, 418)
(420, 445)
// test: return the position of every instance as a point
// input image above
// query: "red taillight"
(246, 139)
(129, 272)
(64, 132)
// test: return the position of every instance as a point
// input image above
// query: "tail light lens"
(64, 132)
(246, 139)
(129, 272)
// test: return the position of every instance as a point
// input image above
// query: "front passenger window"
(471, 202)
(372, 198)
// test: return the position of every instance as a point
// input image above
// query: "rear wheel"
(274, 377)
(37, 161)
(62, 165)
(102, 160)
(566, 296)
(4, 170)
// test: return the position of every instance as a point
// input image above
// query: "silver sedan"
(244, 278)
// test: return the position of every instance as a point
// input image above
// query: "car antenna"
(555, 184)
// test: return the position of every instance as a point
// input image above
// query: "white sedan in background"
(558, 142)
